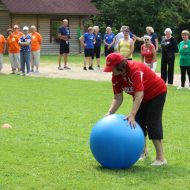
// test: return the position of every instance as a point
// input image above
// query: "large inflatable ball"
(115, 144)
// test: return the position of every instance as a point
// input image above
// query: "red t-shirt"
(139, 77)
(146, 52)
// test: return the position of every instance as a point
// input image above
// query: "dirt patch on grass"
(76, 72)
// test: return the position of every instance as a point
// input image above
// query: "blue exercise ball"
(115, 144)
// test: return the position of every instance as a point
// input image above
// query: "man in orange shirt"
(35, 49)
(13, 50)
(2, 50)
(17, 32)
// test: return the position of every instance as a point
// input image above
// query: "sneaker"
(67, 68)
(22, 74)
(143, 156)
(159, 163)
(90, 68)
(60, 68)
(180, 87)
(36, 71)
(84, 68)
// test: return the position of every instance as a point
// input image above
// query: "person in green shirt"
(184, 61)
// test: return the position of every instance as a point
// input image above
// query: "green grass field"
(48, 146)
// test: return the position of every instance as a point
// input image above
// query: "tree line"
(160, 14)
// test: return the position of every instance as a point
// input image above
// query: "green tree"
(138, 14)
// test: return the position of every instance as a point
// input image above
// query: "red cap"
(112, 60)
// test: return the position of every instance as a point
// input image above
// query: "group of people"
(124, 42)
(23, 49)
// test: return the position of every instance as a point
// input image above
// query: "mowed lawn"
(47, 147)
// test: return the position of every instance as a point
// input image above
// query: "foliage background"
(159, 14)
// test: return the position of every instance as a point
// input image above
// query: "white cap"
(146, 36)
(25, 28)
(168, 30)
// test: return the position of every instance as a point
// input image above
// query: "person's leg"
(37, 60)
(59, 61)
(88, 60)
(159, 149)
(106, 51)
(16, 61)
(154, 126)
(92, 58)
(153, 67)
(22, 61)
(85, 58)
(111, 50)
(164, 69)
(61, 52)
(91, 53)
(11, 58)
(98, 56)
(65, 59)
(183, 76)
(66, 52)
(140, 118)
(27, 60)
(32, 60)
(171, 70)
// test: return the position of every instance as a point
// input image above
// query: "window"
(55, 25)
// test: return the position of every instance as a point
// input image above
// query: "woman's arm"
(113, 42)
(117, 101)
(156, 40)
(81, 39)
(138, 96)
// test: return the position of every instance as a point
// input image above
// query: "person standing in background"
(25, 42)
(13, 50)
(148, 53)
(97, 46)
(169, 48)
(120, 35)
(153, 36)
(16, 31)
(36, 41)
(109, 41)
(126, 45)
(88, 41)
(64, 36)
(184, 61)
(2, 50)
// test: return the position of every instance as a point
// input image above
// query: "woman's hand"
(131, 120)
(108, 113)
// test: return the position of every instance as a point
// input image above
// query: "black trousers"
(167, 68)
(184, 69)
(108, 51)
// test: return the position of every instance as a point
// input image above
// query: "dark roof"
(74, 7)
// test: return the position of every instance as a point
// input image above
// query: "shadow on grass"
(144, 170)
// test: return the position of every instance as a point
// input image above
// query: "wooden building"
(47, 15)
